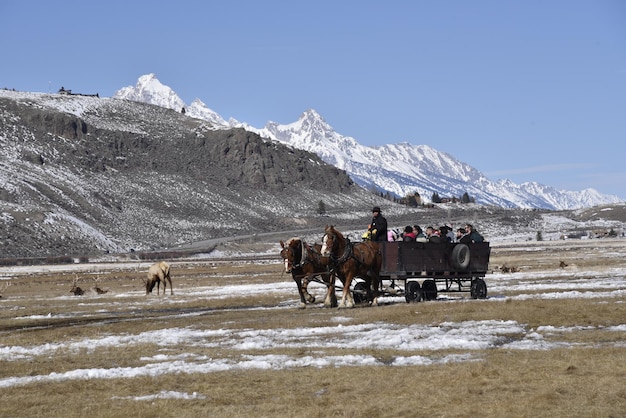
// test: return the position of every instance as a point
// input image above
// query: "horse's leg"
(376, 282)
(305, 289)
(346, 298)
(372, 289)
(350, 300)
(298, 281)
(330, 301)
(332, 289)
(376, 287)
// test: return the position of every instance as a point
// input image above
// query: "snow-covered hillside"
(399, 169)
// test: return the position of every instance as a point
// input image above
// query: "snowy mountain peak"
(150, 90)
(311, 116)
(400, 169)
(197, 109)
(309, 123)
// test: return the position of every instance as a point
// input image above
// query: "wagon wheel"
(413, 292)
(359, 294)
(460, 257)
(478, 289)
(429, 289)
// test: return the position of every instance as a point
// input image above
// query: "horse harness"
(304, 251)
(347, 254)
(305, 258)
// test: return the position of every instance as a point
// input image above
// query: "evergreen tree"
(411, 201)
(321, 207)
(435, 198)
(465, 198)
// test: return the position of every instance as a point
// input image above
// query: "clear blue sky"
(530, 90)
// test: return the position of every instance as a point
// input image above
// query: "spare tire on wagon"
(460, 257)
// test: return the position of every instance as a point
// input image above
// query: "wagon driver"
(378, 226)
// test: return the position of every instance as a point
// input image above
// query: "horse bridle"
(303, 254)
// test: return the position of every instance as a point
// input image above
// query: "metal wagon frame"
(440, 267)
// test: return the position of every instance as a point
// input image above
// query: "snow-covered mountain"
(400, 169)
(150, 90)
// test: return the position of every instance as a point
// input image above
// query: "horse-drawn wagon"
(417, 270)
(440, 267)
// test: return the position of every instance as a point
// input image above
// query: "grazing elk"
(157, 273)
(76, 290)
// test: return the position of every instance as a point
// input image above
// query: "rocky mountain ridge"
(84, 174)
(399, 169)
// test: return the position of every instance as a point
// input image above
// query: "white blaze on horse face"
(325, 251)
(287, 266)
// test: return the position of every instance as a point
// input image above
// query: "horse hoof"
(302, 306)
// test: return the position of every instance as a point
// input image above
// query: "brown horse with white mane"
(350, 260)
(305, 262)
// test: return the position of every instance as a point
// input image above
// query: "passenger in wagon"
(419, 234)
(450, 233)
(443, 233)
(473, 234)
(433, 234)
(394, 235)
(408, 234)
(462, 237)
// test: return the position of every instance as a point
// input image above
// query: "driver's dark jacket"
(379, 224)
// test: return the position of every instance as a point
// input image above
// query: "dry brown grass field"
(231, 342)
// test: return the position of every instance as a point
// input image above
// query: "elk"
(156, 273)
(76, 290)
(97, 287)
(7, 284)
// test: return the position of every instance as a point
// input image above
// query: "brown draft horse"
(349, 260)
(305, 262)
